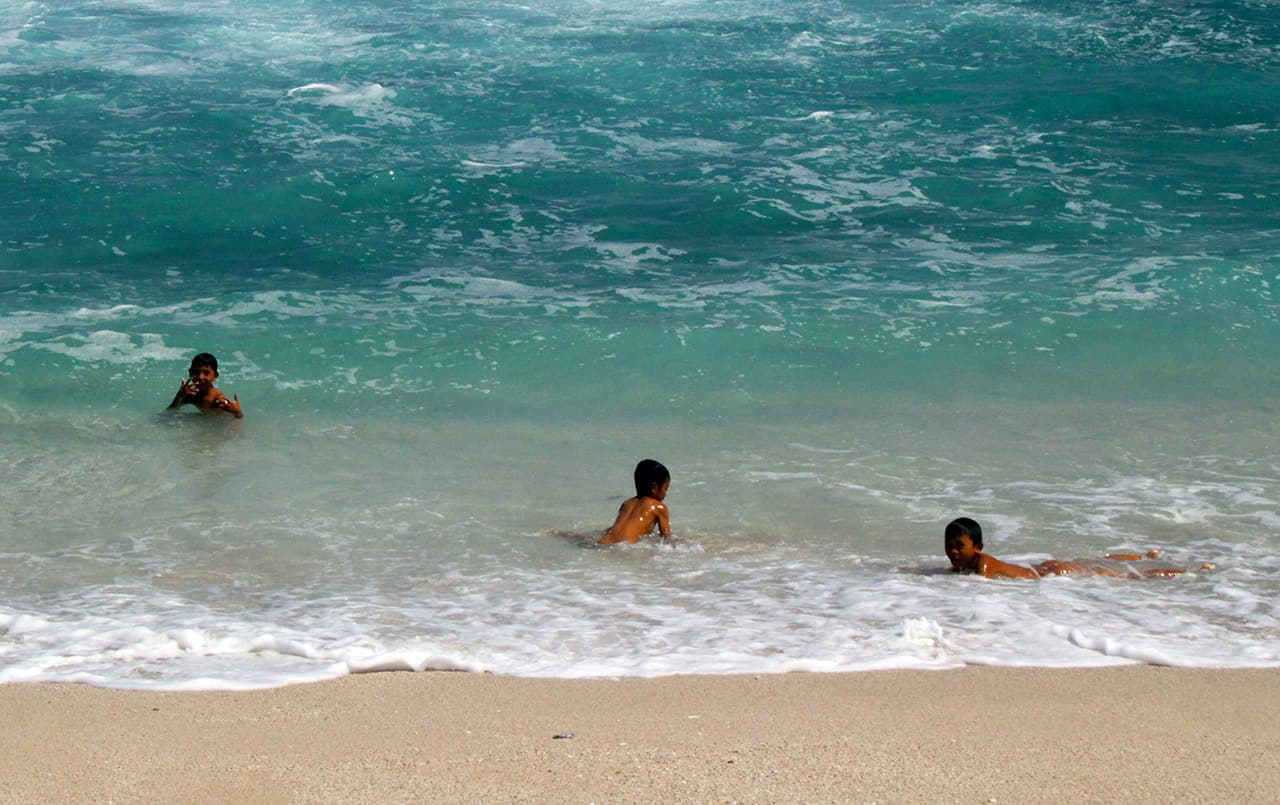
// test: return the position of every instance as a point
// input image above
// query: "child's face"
(202, 376)
(962, 552)
(659, 492)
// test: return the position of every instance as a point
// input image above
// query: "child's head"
(205, 359)
(651, 478)
(962, 542)
(202, 373)
(964, 526)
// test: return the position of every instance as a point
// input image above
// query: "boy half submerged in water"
(198, 389)
(963, 544)
(639, 515)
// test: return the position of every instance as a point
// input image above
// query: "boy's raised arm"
(181, 395)
(231, 406)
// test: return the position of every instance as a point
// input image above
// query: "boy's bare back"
(636, 517)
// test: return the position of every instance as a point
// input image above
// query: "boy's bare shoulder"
(652, 504)
(993, 568)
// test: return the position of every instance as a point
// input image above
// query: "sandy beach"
(973, 735)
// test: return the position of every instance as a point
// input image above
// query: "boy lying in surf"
(963, 544)
(639, 515)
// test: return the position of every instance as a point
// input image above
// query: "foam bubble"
(363, 100)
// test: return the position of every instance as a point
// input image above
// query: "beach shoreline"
(976, 734)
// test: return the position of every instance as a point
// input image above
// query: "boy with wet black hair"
(639, 515)
(962, 542)
(198, 389)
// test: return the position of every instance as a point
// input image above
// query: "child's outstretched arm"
(1154, 553)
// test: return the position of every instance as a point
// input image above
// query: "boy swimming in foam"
(198, 389)
(639, 515)
(962, 542)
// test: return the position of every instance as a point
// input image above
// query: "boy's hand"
(192, 388)
(231, 406)
(186, 393)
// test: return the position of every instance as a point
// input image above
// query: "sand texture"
(1129, 734)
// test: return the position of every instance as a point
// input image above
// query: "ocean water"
(850, 269)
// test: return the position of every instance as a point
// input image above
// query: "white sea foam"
(110, 346)
(672, 612)
(358, 99)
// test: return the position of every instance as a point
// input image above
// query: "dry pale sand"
(973, 735)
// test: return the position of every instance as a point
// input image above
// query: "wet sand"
(1128, 734)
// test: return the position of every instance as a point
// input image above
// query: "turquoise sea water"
(848, 269)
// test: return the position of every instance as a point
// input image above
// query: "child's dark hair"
(205, 359)
(648, 473)
(964, 527)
